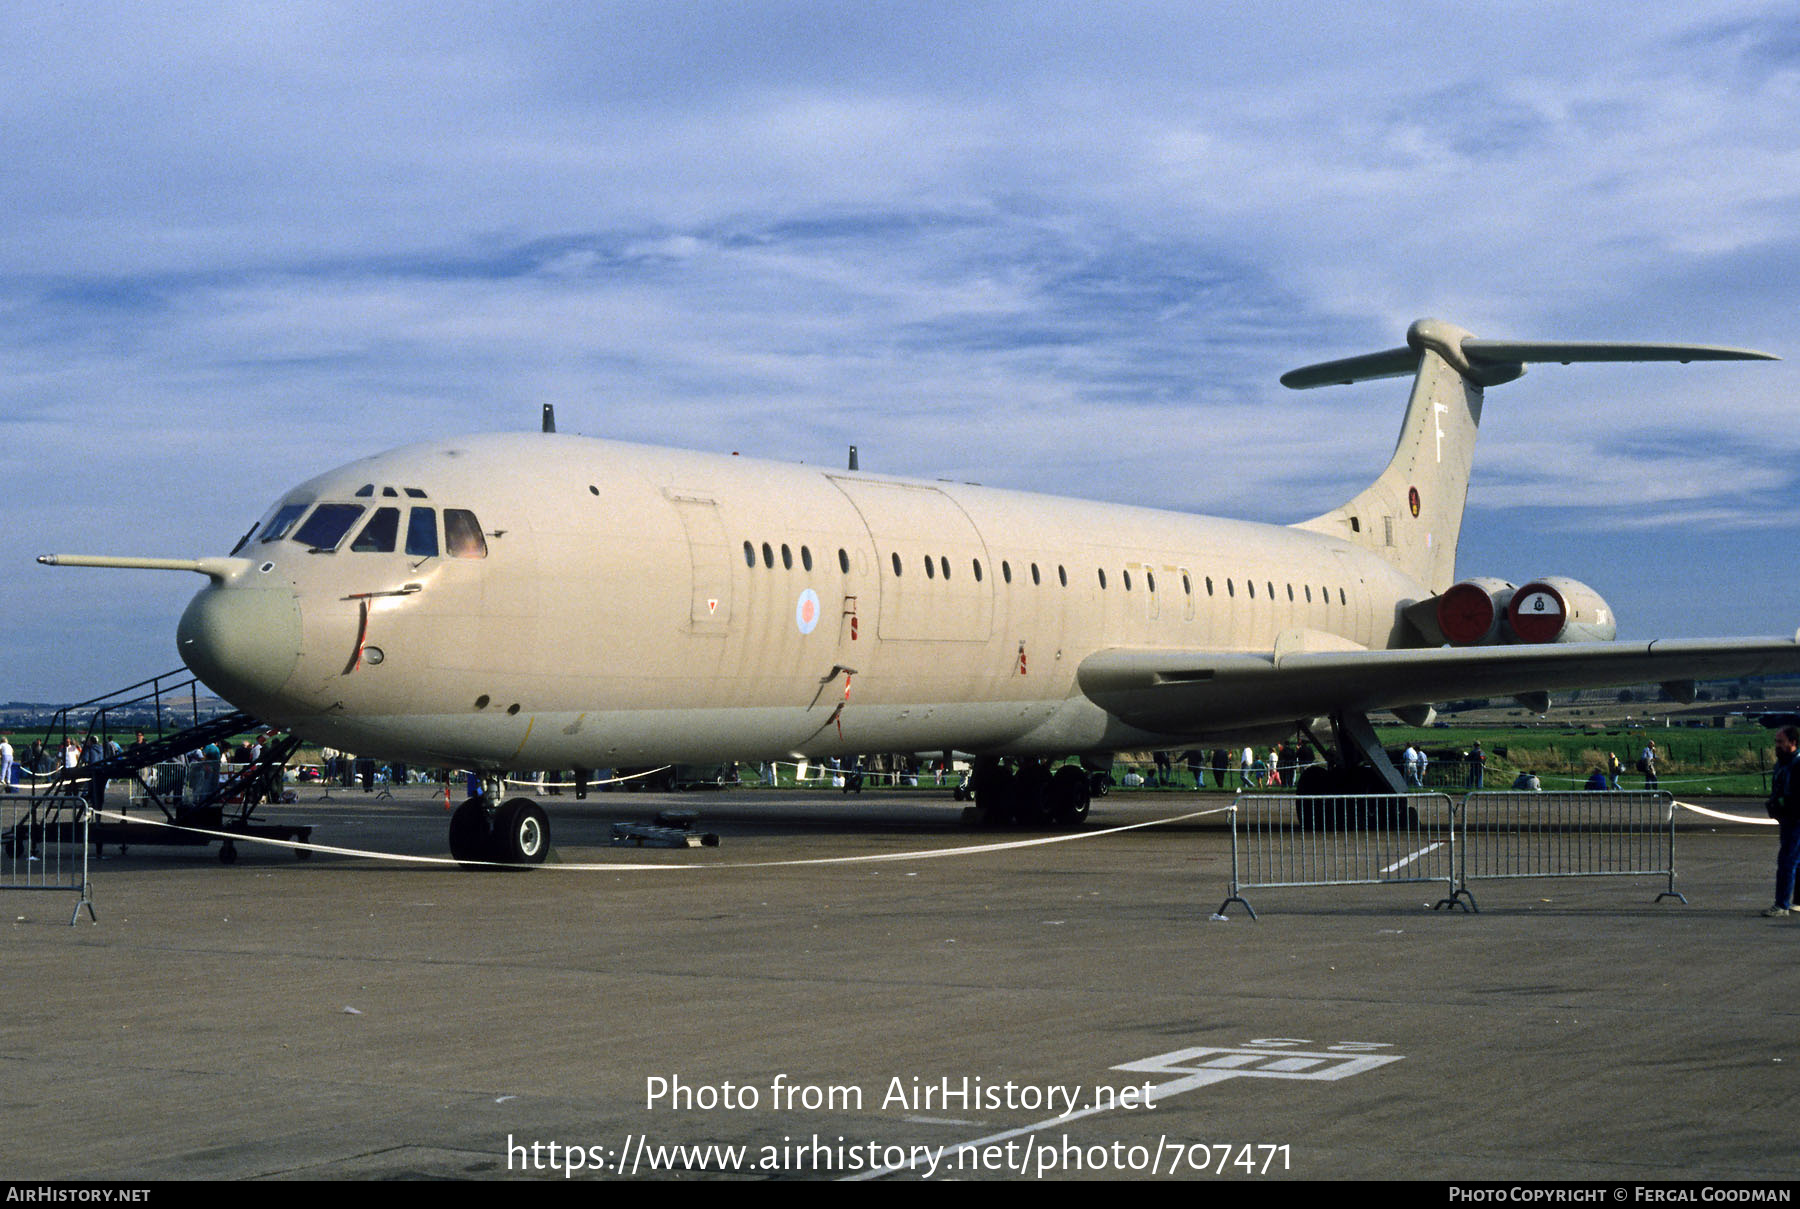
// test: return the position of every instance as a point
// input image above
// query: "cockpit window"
(462, 534)
(282, 521)
(421, 533)
(326, 527)
(378, 536)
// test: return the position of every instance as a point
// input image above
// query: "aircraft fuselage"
(623, 605)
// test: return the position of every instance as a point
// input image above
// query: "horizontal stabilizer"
(1490, 362)
(1394, 363)
(1514, 352)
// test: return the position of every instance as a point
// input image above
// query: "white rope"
(920, 855)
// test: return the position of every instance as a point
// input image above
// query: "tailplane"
(1412, 515)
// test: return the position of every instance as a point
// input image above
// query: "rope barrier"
(636, 867)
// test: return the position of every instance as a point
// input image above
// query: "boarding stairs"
(219, 804)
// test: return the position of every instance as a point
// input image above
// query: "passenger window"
(945, 564)
(978, 570)
(282, 521)
(768, 557)
(380, 534)
(326, 527)
(1062, 573)
(805, 558)
(749, 555)
(1005, 570)
(787, 558)
(1103, 579)
(843, 560)
(896, 563)
(421, 533)
(462, 534)
(930, 568)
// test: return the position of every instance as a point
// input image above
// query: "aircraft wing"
(1185, 692)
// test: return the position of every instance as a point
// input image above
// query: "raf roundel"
(806, 613)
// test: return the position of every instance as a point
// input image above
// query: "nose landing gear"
(483, 834)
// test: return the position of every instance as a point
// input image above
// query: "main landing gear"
(1361, 790)
(483, 833)
(1027, 793)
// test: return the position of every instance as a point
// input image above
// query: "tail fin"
(1412, 514)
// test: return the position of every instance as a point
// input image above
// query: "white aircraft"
(551, 601)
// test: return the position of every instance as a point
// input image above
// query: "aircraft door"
(926, 551)
(709, 606)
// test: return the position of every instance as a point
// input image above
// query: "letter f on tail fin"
(1412, 514)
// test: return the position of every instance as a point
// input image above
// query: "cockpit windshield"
(385, 530)
(325, 528)
(462, 534)
(378, 535)
(282, 521)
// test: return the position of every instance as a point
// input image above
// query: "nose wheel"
(516, 833)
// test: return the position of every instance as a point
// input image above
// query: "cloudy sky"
(1060, 247)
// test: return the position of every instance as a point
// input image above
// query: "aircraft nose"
(242, 642)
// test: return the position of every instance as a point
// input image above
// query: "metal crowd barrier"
(44, 846)
(1569, 833)
(1280, 840)
(1283, 839)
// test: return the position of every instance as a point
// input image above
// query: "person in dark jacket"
(1784, 808)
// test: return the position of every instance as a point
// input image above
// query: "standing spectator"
(9, 775)
(1477, 767)
(1647, 764)
(1784, 808)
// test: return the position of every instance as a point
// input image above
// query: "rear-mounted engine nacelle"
(1470, 614)
(1558, 609)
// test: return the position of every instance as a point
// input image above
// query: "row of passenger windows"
(324, 530)
(787, 557)
(938, 567)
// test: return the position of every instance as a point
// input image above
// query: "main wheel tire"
(1312, 789)
(994, 796)
(1031, 794)
(521, 834)
(1070, 796)
(472, 833)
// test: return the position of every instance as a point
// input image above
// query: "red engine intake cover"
(1465, 614)
(1537, 613)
